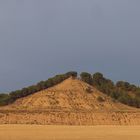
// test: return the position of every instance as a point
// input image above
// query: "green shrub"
(72, 73)
(86, 77)
(4, 99)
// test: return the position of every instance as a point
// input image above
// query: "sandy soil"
(70, 118)
(38, 132)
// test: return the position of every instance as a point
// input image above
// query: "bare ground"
(38, 132)
(70, 118)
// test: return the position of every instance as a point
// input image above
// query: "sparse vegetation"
(14, 95)
(123, 92)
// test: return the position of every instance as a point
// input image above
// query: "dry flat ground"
(38, 132)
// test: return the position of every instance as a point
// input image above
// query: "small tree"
(72, 73)
(98, 78)
(86, 77)
(4, 99)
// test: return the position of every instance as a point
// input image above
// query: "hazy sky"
(41, 38)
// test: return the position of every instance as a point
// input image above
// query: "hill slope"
(71, 95)
(70, 102)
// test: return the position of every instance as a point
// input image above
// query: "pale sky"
(41, 38)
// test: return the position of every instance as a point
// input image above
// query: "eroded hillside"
(70, 102)
(70, 95)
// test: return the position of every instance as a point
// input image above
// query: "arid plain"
(44, 132)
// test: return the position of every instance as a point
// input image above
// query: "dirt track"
(37, 132)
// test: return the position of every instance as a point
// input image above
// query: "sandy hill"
(70, 102)
(70, 95)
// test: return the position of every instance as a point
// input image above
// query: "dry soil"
(38, 132)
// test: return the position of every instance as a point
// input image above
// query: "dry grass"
(37, 132)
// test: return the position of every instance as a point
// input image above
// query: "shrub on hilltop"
(86, 77)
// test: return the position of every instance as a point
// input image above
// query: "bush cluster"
(122, 91)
